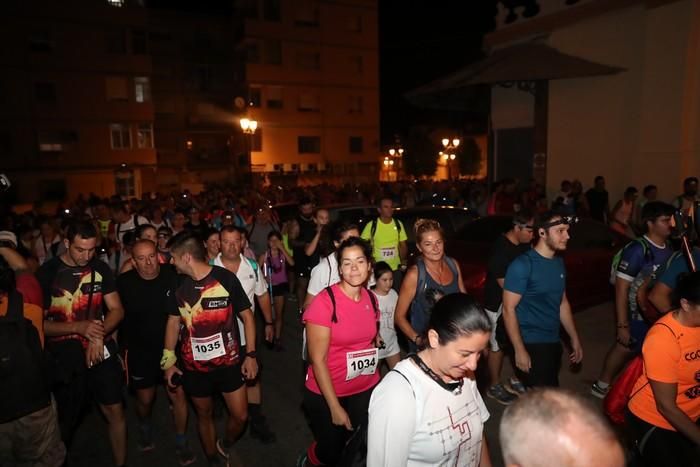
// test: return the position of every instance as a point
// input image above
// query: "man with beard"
(687, 200)
(303, 264)
(146, 292)
(535, 305)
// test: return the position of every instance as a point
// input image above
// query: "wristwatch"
(252, 354)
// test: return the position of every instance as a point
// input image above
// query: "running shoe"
(261, 431)
(498, 393)
(515, 387)
(301, 460)
(145, 441)
(599, 392)
(184, 455)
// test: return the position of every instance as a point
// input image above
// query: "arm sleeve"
(319, 311)
(631, 262)
(319, 277)
(661, 354)
(517, 275)
(392, 422)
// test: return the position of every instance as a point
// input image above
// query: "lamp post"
(448, 154)
(248, 127)
(396, 158)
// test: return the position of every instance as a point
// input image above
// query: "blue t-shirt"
(635, 260)
(540, 282)
(677, 265)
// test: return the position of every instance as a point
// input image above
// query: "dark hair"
(648, 189)
(82, 229)
(129, 238)
(187, 242)
(304, 201)
(242, 231)
(631, 190)
(341, 227)
(274, 233)
(456, 315)
(164, 229)
(208, 233)
(382, 198)
(380, 268)
(229, 229)
(690, 180)
(653, 210)
(523, 216)
(119, 207)
(688, 287)
(352, 242)
(142, 228)
(599, 178)
(546, 217)
(7, 277)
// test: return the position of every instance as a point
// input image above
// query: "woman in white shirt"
(427, 411)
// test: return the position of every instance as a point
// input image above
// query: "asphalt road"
(282, 384)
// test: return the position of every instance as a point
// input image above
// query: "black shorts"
(206, 384)
(143, 369)
(280, 290)
(106, 381)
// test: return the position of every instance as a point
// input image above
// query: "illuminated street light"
(445, 142)
(248, 126)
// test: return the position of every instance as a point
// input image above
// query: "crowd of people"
(167, 288)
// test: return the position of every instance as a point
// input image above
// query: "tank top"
(428, 292)
(275, 268)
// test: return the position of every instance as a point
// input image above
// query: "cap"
(7, 236)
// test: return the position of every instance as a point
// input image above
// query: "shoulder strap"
(420, 285)
(136, 221)
(329, 291)
(373, 299)
(330, 270)
(397, 223)
(254, 265)
(407, 380)
(373, 229)
(92, 288)
(453, 266)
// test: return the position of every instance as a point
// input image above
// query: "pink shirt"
(355, 330)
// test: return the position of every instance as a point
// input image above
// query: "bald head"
(145, 259)
(556, 428)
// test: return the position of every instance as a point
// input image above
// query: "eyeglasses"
(526, 226)
(163, 236)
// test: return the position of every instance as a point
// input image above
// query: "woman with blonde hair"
(433, 276)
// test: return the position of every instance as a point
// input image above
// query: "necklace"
(455, 388)
(438, 272)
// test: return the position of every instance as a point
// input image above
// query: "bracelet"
(623, 325)
(269, 324)
(252, 354)
(168, 359)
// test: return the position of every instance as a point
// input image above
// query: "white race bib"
(361, 362)
(388, 253)
(207, 348)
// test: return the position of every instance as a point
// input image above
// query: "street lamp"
(394, 158)
(248, 127)
(450, 145)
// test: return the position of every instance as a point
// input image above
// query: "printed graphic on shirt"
(455, 433)
(208, 335)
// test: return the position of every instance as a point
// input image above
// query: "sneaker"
(301, 460)
(599, 392)
(260, 430)
(227, 453)
(498, 393)
(184, 455)
(515, 387)
(145, 442)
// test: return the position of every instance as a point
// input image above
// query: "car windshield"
(484, 230)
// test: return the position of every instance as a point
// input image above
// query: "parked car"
(588, 257)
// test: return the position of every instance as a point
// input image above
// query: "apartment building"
(312, 74)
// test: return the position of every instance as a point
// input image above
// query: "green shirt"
(385, 243)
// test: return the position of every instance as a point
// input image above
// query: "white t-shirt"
(418, 423)
(323, 275)
(119, 231)
(387, 306)
(252, 283)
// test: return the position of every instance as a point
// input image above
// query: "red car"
(588, 257)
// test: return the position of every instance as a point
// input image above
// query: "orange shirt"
(32, 312)
(669, 359)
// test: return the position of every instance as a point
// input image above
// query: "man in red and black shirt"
(208, 300)
(77, 288)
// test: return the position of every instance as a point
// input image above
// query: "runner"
(638, 262)
(661, 294)
(686, 201)
(145, 292)
(508, 247)
(253, 282)
(76, 288)
(307, 231)
(535, 305)
(274, 263)
(123, 222)
(388, 238)
(207, 303)
(386, 298)
(341, 325)
(212, 243)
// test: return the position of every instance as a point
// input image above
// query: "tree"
(470, 158)
(420, 154)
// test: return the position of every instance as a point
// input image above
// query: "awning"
(532, 61)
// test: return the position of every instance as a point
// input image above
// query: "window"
(144, 136)
(142, 89)
(41, 41)
(272, 10)
(252, 52)
(256, 141)
(308, 103)
(116, 88)
(249, 9)
(306, 14)
(254, 97)
(309, 144)
(115, 41)
(139, 42)
(309, 60)
(55, 140)
(355, 143)
(125, 183)
(355, 106)
(45, 92)
(353, 24)
(273, 52)
(356, 63)
(274, 97)
(120, 136)
(116, 3)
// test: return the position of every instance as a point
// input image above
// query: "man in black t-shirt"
(146, 293)
(506, 248)
(303, 264)
(203, 312)
(77, 287)
(598, 202)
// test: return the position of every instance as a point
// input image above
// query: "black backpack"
(24, 388)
